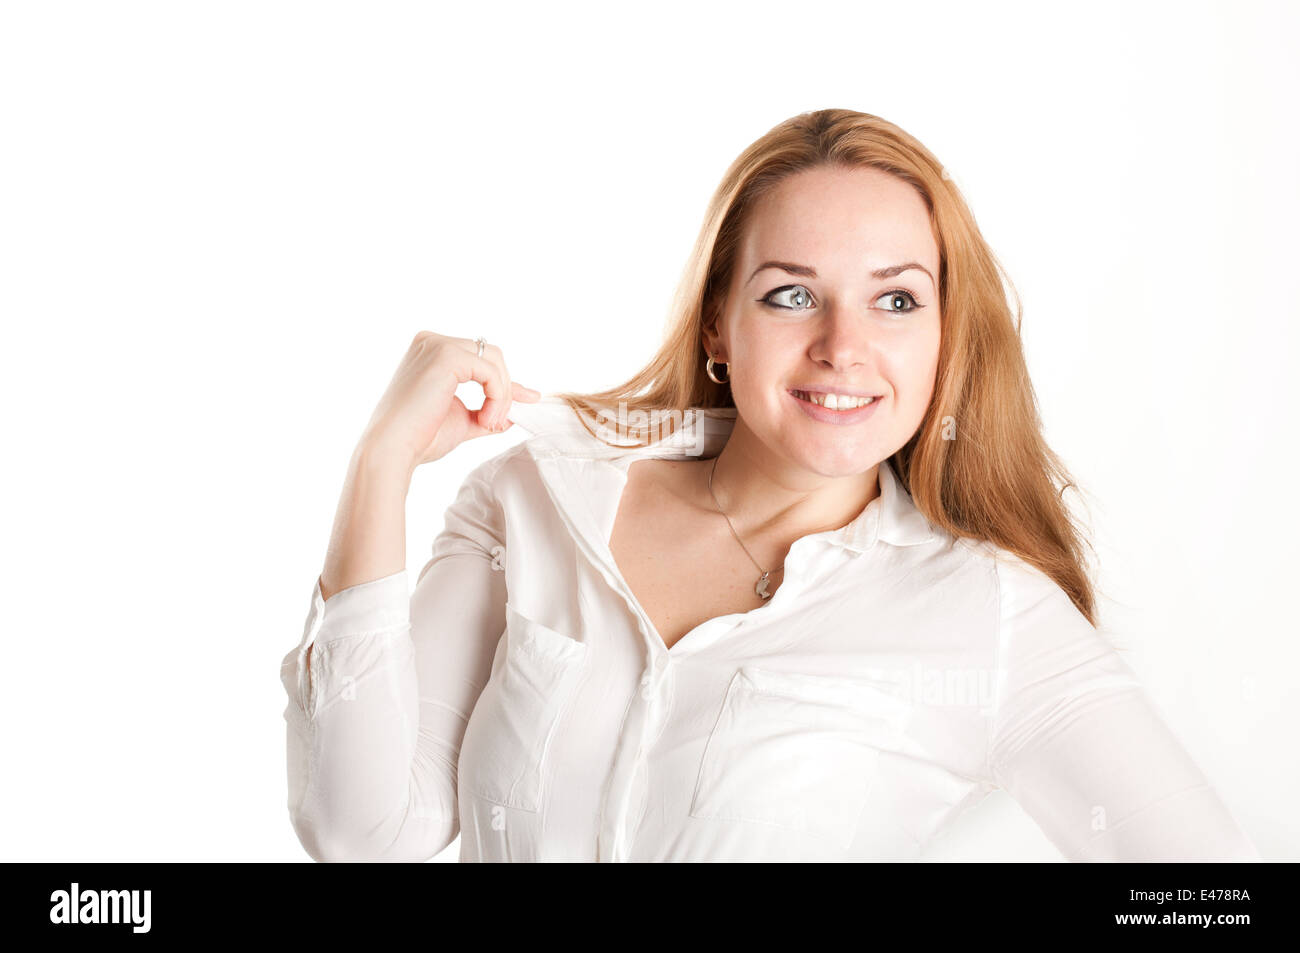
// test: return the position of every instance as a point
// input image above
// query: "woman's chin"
(834, 461)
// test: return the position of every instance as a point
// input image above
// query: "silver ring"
(481, 344)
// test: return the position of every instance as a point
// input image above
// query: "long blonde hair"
(995, 479)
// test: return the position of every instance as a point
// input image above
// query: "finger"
(472, 428)
(487, 374)
(526, 393)
(496, 400)
(492, 414)
(499, 419)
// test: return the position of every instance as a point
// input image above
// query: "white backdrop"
(221, 224)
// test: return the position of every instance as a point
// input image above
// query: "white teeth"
(835, 401)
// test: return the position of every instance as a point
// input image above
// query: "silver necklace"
(760, 587)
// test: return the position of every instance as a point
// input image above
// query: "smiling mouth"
(835, 401)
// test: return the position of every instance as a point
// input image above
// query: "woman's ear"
(712, 334)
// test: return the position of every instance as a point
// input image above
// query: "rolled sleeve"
(380, 605)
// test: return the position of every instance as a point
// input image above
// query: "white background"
(221, 224)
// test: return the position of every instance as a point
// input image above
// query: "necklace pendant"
(761, 587)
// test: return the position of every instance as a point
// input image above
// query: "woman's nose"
(842, 339)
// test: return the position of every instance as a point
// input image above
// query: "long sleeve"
(1075, 739)
(376, 715)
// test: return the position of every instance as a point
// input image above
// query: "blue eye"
(801, 298)
(896, 295)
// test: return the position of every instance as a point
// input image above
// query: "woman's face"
(840, 312)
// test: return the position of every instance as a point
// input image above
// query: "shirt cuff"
(368, 607)
(374, 606)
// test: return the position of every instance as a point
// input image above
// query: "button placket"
(648, 678)
(652, 685)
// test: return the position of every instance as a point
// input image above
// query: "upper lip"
(850, 391)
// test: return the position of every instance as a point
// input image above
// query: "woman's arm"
(368, 541)
(1075, 739)
(383, 681)
(382, 684)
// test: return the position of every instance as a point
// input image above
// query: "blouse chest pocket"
(797, 751)
(503, 753)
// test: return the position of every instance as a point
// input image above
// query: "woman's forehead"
(860, 215)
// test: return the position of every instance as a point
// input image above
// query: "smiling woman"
(899, 299)
(829, 608)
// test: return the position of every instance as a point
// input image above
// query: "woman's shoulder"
(1000, 561)
(1014, 583)
(1031, 600)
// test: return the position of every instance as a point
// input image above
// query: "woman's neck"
(766, 496)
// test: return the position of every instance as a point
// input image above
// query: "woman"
(836, 602)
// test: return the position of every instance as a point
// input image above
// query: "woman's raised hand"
(420, 419)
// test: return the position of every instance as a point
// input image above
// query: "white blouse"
(521, 697)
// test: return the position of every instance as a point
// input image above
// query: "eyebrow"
(807, 271)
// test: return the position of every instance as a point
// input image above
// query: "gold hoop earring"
(708, 369)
